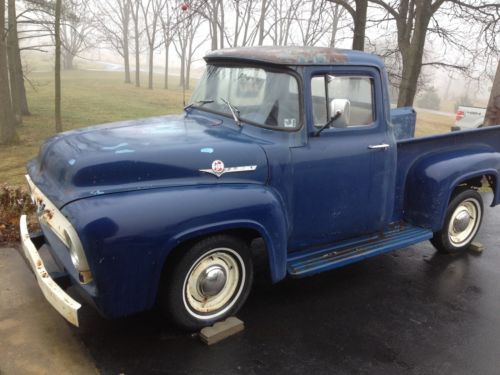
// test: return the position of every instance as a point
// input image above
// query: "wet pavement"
(413, 311)
(33, 339)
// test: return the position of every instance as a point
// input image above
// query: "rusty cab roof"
(295, 56)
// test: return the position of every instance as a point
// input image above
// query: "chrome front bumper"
(57, 297)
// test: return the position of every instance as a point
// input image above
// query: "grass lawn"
(89, 97)
(92, 97)
(429, 123)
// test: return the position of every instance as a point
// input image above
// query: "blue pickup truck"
(296, 147)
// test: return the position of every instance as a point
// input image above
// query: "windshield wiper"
(234, 111)
(198, 102)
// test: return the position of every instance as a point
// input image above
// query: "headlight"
(72, 251)
(75, 249)
(63, 229)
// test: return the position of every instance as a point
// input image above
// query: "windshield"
(256, 95)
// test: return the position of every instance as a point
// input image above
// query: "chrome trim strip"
(245, 168)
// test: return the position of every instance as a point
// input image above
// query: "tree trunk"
(493, 111)
(68, 58)
(236, 24)
(126, 57)
(14, 87)
(412, 66)
(183, 67)
(57, 33)
(221, 26)
(189, 57)
(167, 47)
(335, 26)
(412, 56)
(358, 40)
(261, 21)
(7, 122)
(214, 25)
(137, 53)
(150, 75)
(18, 91)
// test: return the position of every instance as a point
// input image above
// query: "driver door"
(344, 177)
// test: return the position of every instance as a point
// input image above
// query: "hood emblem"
(218, 168)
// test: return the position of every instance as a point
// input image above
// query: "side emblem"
(218, 168)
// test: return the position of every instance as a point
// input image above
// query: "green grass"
(430, 123)
(89, 98)
(92, 97)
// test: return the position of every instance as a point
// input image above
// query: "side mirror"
(342, 106)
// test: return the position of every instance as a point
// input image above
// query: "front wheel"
(462, 221)
(209, 283)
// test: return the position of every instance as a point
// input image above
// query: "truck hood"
(142, 154)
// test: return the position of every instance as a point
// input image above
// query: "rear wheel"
(209, 283)
(462, 221)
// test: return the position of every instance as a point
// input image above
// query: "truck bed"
(447, 146)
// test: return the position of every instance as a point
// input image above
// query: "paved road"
(33, 339)
(412, 311)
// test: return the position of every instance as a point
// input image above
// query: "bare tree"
(114, 23)
(314, 22)
(493, 111)
(76, 29)
(7, 121)
(37, 17)
(261, 26)
(136, 7)
(168, 27)
(336, 14)
(151, 11)
(244, 30)
(358, 10)
(213, 12)
(186, 45)
(416, 18)
(281, 16)
(18, 91)
(57, 37)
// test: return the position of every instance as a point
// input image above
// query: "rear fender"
(432, 180)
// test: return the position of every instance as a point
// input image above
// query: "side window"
(319, 100)
(350, 96)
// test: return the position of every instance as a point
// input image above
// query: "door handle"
(382, 146)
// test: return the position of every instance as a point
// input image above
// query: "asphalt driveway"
(412, 311)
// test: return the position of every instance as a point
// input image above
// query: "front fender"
(128, 236)
(431, 181)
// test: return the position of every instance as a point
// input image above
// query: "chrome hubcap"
(464, 222)
(211, 281)
(214, 283)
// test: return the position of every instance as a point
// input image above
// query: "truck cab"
(296, 146)
(352, 158)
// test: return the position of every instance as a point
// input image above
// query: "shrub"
(13, 203)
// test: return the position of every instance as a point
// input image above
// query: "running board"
(314, 261)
